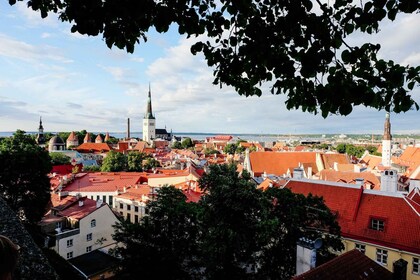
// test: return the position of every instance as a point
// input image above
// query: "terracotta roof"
(345, 167)
(77, 212)
(371, 161)
(268, 183)
(93, 147)
(278, 163)
(348, 266)
(299, 148)
(65, 168)
(356, 207)
(193, 196)
(222, 137)
(98, 139)
(329, 160)
(107, 137)
(140, 146)
(72, 137)
(350, 177)
(104, 181)
(136, 193)
(87, 138)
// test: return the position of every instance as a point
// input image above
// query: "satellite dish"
(318, 243)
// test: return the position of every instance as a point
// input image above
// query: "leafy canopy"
(24, 184)
(234, 232)
(299, 47)
(59, 158)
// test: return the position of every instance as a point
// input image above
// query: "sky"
(75, 82)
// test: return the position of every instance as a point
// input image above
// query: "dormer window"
(377, 224)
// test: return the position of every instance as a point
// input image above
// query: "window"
(88, 249)
(93, 223)
(416, 266)
(361, 247)
(128, 217)
(377, 224)
(128, 207)
(91, 197)
(136, 218)
(121, 206)
(382, 256)
(104, 198)
(70, 255)
(110, 200)
(136, 209)
(89, 237)
(97, 197)
(70, 243)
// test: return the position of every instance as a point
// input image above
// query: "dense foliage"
(24, 184)
(59, 158)
(299, 47)
(356, 151)
(133, 161)
(234, 232)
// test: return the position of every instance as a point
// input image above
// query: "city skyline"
(75, 82)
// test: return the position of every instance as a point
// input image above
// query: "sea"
(203, 136)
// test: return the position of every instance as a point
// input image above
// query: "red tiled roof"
(193, 196)
(278, 163)
(93, 147)
(78, 212)
(136, 193)
(140, 146)
(104, 181)
(348, 266)
(65, 168)
(356, 207)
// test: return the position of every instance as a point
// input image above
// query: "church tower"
(40, 138)
(149, 122)
(386, 142)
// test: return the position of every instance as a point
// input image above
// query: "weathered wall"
(32, 262)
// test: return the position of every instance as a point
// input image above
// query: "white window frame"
(416, 266)
(88, 249)
(69, 243)
(89, 237)
(70, 255)
(361, 247)
(382, 256)
(377, 224)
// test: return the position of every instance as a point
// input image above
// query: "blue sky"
(75, 82)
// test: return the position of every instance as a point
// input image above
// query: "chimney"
(306, 254)
(399, 270)
(128, 128)
(98, 203)
(336, 166)
(309, 172)
(297, 173)
(80, 203)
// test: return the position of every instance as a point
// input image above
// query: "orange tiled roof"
(98, 139)
(356, 207)
(278, 163)
(371, 161)
(93, 147)
(329, 159)
(140, 146)
(87, 138)
(136, 194)
(350, 177)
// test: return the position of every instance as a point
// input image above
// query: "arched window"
(93, 223)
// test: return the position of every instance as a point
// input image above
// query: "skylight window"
(377, 224)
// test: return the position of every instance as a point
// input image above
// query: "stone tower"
(149, 122)
(386, 142)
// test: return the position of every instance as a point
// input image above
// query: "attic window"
(377, 224)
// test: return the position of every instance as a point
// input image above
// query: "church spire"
(387, 128)
(149, 112)
(40, 124)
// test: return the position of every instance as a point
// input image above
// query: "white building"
(77, 226)
(149, 122)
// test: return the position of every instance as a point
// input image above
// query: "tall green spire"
(149, 113)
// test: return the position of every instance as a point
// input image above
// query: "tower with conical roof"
(40, 138)
(386, 142)
(149, 122)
